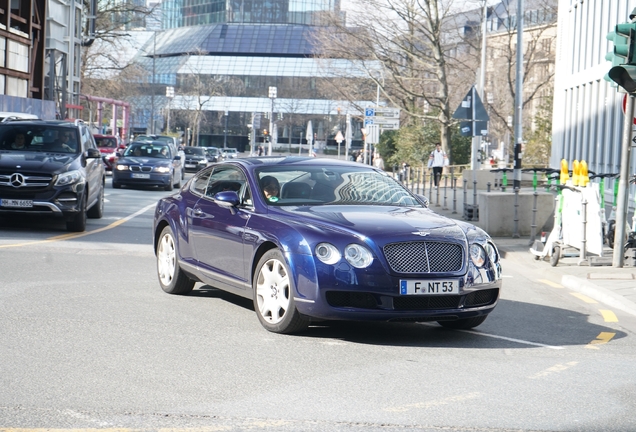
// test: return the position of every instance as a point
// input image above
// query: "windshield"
(148, 150)
(38, 138)
(335, 185)
(106, 142)
(200, 151)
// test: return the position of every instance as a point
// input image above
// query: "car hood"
(37, 162)
(380, 223)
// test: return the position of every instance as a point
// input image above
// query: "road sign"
(369, 112)
(471, 108)
(625, 104)
(339, 138)
(372, 133)
(383, 122)
(469, 128)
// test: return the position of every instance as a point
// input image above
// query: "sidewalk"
(615, 287)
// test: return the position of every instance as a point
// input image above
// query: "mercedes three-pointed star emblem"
(16, 180)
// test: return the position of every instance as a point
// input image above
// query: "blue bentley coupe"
(318, 239)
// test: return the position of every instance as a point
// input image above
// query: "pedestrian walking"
(437, 160)
(378, 162)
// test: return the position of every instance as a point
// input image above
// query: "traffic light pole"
(623, 185)
(519, 98)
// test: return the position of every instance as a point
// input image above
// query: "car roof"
(261, 161)
(34, 122)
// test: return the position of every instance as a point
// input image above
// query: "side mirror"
(227, 199)
(93, 153)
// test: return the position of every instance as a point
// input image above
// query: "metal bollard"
(454, 195)
(496, 179)
(465, 194)
(515, 234)
(533, 233)
(437, 193)
(488, 187)
(582, 256)
(445, 185)
(419, 172)
(430, 183)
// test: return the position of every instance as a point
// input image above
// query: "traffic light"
(623, 56)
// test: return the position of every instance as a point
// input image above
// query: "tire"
(182, 174)
(78, 223)
(170, 184)
(97, 211)
(556, 255)
(171, 278)
(463, 324)
(274, 295)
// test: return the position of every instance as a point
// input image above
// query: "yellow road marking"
(608, 315)
(583, 297)
(550, 283)
(554, 369)
(602, 338)
(434, 403)
(71, 236)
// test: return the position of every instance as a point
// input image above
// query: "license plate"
(190, 166)
(16, 203)
(429, 287)
(140, 176)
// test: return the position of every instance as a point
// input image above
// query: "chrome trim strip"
(301, 300)
(53, 207)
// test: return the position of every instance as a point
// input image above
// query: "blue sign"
(368, 121)
(369, 112)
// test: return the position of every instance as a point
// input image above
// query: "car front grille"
(426, 303)
(23, 182)
(424, 257)
(137, 168)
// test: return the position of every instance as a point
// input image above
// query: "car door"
(94, 166)
(217, 232)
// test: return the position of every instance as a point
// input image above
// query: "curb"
(598, 293)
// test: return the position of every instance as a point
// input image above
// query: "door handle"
(197, 212)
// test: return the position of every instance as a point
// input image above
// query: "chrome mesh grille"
(137, 168)
(424, 257)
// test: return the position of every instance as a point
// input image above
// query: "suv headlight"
(162, 169)
(121, 167)
(68, 178)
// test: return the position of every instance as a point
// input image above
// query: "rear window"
(106, 142)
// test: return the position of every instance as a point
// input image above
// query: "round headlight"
(491, 250)
(358, 256)
(327, 253)
(477, 254)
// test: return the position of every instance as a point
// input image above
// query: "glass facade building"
(228, 67)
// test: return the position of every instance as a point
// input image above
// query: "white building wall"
(588, 117)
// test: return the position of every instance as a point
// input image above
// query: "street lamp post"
(225, 131)
(169, 95)
(272, 96)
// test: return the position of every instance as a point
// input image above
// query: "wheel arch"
(262, 250)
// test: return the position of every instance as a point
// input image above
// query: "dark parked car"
(319, 239)
(196, 158)
(214, 154)
(51, 168)
(150, 163)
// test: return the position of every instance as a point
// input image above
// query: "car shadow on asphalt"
(512, 324)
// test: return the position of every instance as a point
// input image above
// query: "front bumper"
(345, 293)
(153, 179)
(63, 202)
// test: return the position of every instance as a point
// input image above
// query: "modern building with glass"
(223, 60)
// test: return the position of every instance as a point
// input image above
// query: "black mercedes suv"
(51, 168)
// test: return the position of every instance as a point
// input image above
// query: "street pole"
(272, 96)
(152, 94)
(618, 257)
(169, 95)
(519, 97)
(225, 131)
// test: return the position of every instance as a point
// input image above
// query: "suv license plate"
(429, 287)
(16, 203)
(141, 176)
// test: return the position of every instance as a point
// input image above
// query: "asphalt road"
(88, 340)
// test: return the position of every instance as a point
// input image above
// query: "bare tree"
(409, 50)
(538, 68)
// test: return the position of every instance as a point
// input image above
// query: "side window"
(200, 182)
(225, 178)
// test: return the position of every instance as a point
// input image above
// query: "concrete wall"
(497, 212)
